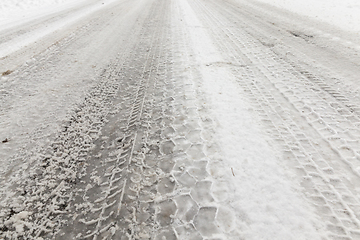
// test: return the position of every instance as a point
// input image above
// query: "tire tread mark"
(266, 100)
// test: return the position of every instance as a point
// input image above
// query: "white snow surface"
(19, 12)
(13, 12)
(26, 4)
(264, 196)
(272, 205)
(341, 13)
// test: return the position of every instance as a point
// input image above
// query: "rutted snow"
(265, 203)
(341, 13)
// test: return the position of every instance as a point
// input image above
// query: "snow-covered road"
(179, 119)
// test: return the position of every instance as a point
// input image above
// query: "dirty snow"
(272, 205)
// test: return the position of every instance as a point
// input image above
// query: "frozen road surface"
(178, 119)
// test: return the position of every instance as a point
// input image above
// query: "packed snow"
(271, 205)
(269, 200)
(343, 14)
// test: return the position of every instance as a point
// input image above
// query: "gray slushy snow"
(224, 179)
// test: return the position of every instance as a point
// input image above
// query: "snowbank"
(14, 12)
(27, 4)
(341, 13)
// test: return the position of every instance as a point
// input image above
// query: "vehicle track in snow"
(35, 96)
(302, 112)
(155, 182)
(138, 158)
(133, 161)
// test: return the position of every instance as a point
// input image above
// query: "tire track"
(48, 75)
(154, 181)
(42, 197)
(119, 184)
(133, 162)
(281, 96)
